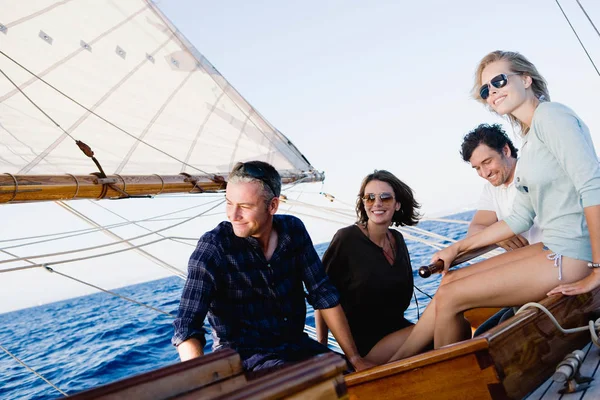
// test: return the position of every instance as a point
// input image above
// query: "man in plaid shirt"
(248, 276)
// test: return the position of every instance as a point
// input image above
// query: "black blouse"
(373, 293)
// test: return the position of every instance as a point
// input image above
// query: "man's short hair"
(491, 135)
(258, 171)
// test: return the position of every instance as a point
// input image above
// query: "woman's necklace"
(390, 257)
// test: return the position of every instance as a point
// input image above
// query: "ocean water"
(88, 341)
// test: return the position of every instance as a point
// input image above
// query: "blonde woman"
(558, 181)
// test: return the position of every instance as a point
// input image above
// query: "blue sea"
(84, 342)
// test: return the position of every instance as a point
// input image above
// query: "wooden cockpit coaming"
(507, 362)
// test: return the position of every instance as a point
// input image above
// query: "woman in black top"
(370, 266)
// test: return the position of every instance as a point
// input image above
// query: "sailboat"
(107, 100)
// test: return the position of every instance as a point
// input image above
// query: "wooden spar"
(507, 362)
(33, 188)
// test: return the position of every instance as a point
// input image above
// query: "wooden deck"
(549, 389)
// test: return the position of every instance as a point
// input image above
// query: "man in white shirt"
(492, 154)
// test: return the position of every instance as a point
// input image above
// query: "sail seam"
(201, 130)
(90, 111)
(70, 56)
(151, 123)
(36, 14)
(237, 142)
(202, 61)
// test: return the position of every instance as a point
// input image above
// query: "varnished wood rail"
(507, 362)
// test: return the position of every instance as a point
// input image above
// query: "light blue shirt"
(558, 176)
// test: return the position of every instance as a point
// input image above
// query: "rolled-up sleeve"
(197, 294)
(321, 292)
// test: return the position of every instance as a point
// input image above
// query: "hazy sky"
(356, 86)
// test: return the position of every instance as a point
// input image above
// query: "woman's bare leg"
(493, 262)
(385, 348)
(513, 283)
(423, 332)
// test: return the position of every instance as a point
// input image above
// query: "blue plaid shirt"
(252, 303)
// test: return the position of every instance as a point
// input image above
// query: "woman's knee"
(446, 297)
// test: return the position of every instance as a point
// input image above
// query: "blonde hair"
(518, 64)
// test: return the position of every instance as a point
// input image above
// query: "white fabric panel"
(125, 62)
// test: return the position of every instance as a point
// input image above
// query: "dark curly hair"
(407, 215)
(491, 135)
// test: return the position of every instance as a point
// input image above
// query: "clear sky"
(362, 85)
(356, 86)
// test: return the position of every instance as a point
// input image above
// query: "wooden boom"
(32, 188)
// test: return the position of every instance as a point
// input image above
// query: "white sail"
(119, 77)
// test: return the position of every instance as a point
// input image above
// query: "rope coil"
(592, 326)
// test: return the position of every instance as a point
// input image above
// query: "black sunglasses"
(498, 82)
(256, 172)
(385, 197)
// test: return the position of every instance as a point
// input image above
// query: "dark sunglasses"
(256, 172)
(498, 82)
(385, 197)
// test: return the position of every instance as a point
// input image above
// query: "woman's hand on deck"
(360, 363)
(589, 283)
(447, 255)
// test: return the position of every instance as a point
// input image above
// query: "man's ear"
(527, 81)
(273, 205)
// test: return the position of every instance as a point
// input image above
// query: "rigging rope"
(34, 104)
(588, 17)
(178, 273)
(118, 242)
(134, 223)
(592, 325)
(107, 291)
(32, 370)
(426, 232)
(80, 232)
(576, 35)
(453, 221)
